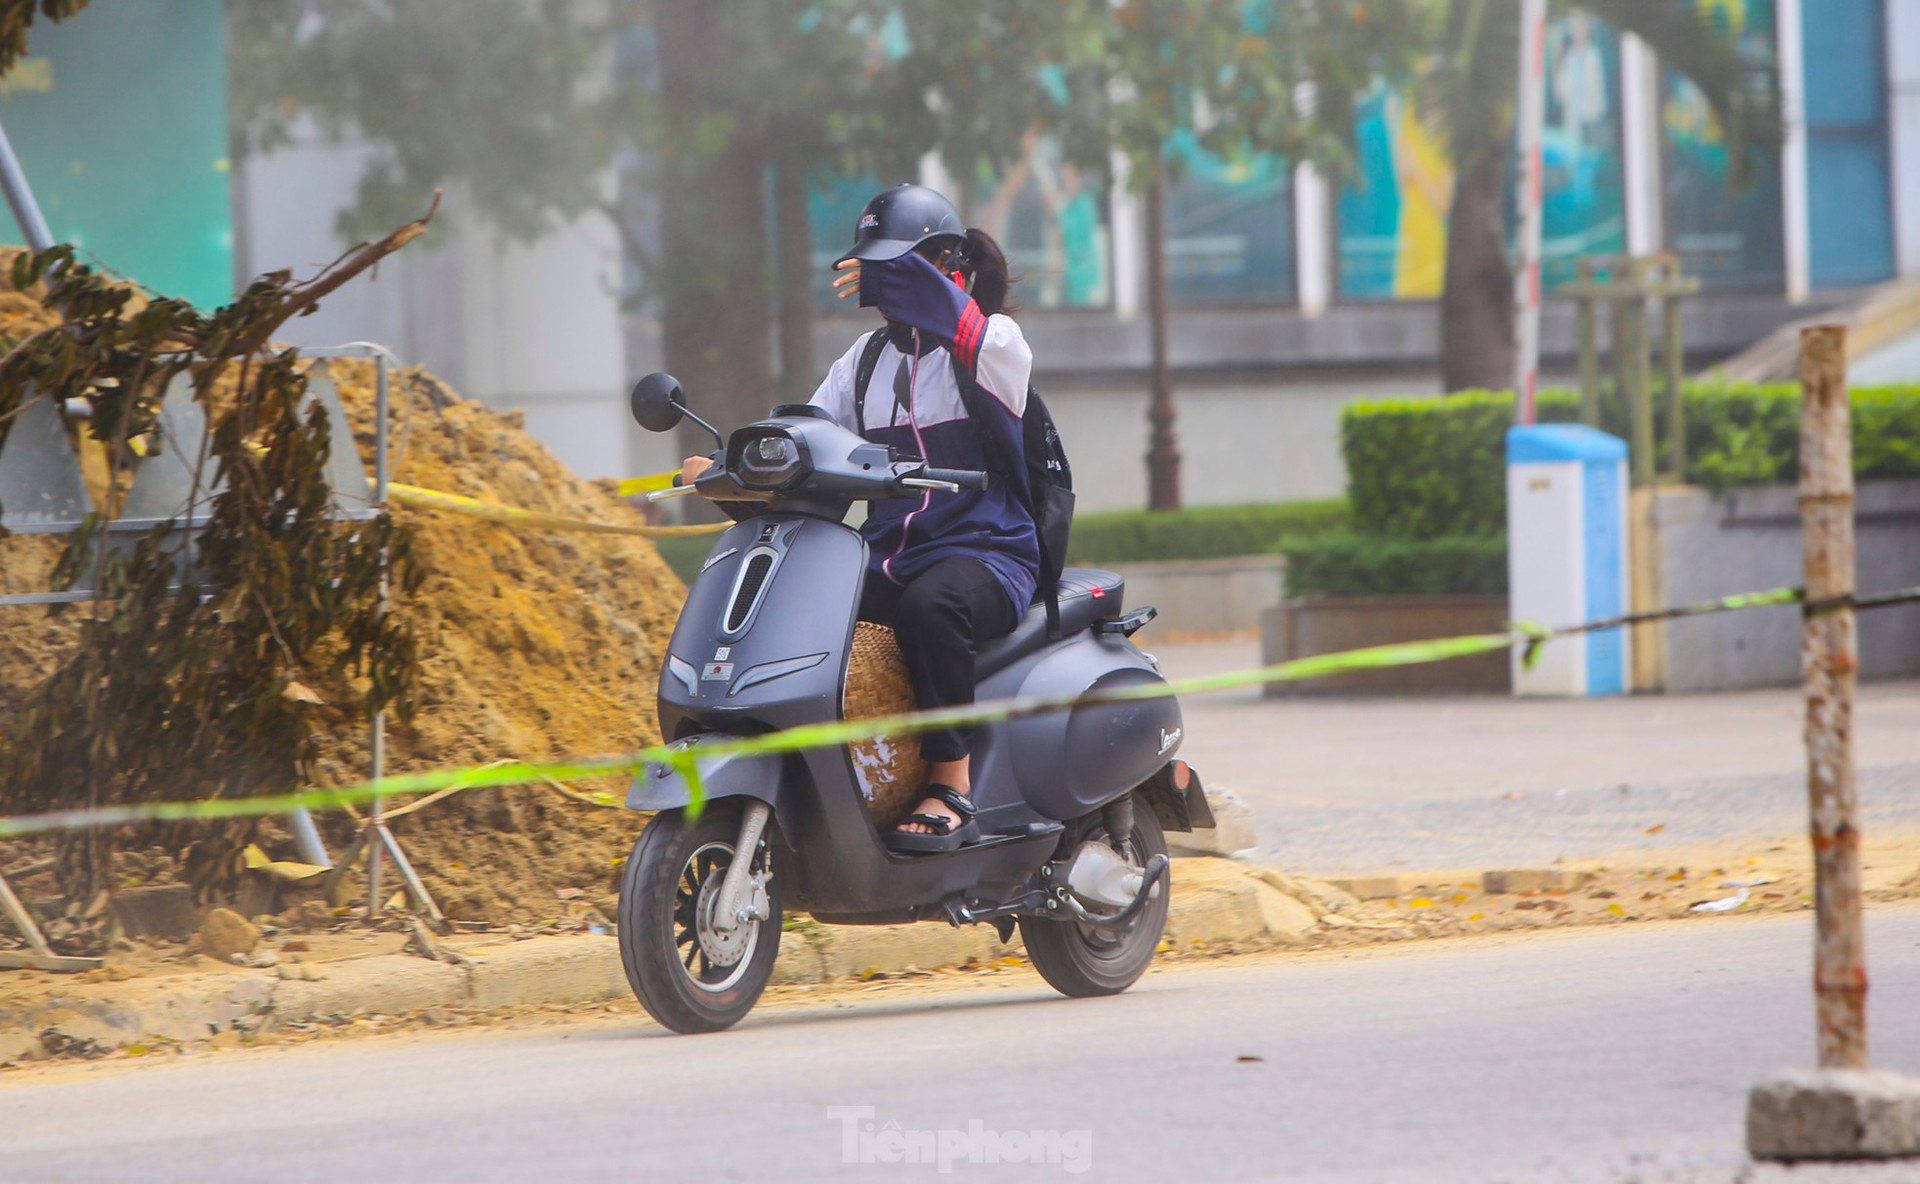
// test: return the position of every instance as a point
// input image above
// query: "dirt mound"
(534, 645)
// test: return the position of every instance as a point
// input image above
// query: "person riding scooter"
(954, 570)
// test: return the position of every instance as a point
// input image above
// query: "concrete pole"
(1532, 118)
(1830, 660)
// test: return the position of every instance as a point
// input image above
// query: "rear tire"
(688, 975)
(1080, 961)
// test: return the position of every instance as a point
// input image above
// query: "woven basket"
(892, 775)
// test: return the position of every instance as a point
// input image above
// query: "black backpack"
(1046, 494)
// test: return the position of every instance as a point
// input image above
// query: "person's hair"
(984, 265)
(990, 281)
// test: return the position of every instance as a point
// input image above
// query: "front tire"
(1079, 960)
(689, 975)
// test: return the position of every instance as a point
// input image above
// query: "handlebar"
(964, 478)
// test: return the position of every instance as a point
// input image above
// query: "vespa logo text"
(1168, 739)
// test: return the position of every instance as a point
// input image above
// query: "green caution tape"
(836, 732)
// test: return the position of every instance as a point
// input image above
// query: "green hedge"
(685, 555)
(1427, 468)
(1139, 536)
(1202, 532)
(1347, 564)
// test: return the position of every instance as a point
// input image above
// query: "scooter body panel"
(762, 644)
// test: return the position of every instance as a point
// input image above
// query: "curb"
(1214, 901)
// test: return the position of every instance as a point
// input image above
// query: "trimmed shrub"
(1138, 536)
(1428, 468)
(1347, 564)
(1200, 532)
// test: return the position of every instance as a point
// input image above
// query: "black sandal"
(946, 836)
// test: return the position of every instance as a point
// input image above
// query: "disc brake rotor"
(722, 947)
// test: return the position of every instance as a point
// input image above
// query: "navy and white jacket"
(905, 538)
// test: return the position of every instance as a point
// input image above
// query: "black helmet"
(900, 219)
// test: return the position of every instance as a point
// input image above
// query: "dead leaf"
(1244, 1059)
(1656, 828)
(301, 693)
(568, 893)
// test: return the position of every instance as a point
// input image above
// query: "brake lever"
(661, 495)
(927, 483)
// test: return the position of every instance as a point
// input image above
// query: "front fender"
(759, 775)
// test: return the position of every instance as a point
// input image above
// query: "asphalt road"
(1364, 783)
(1616, 1055)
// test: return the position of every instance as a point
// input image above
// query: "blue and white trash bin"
(1567, 554)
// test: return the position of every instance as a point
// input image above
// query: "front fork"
(734, 908)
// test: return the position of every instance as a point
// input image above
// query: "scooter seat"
(1087, 595)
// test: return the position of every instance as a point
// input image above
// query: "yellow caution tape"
(828, 733)
(652, 483)
(415, 498)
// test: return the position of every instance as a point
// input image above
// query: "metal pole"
(1632, 336)
(1672, 355)
(1163, 452)
(306, 838)
(1532, 117)
(377, 743)
(26, 211)
(1589, 347)
(1830, 660)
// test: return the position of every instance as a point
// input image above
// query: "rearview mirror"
(658, 403)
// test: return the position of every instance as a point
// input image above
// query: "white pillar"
(1640, 144)
(1312, 240)
(1793, 150)
(1129, 242)
(1530, 197)
(934, 175)
(1903, 129)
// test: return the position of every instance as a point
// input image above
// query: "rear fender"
(1176, 808)
(762, 776)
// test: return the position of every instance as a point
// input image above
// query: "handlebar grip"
(964, 478)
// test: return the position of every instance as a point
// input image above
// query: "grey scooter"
(1073, 805)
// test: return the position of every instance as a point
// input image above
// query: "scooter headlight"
(768, 460)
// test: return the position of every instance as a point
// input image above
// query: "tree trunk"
(794, 245)
(715, 324)
(1476, 309)
(1163, 450)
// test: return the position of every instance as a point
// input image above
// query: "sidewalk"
(1339, 785)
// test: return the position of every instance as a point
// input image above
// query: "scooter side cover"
(1108, 748)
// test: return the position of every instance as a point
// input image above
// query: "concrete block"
(1369, 887)
(1234, 832)
(582, 968)
(858, 949)
(1215, 914)
(1834, 1114)
(1283, 916)
(799, 960)
(391, 984)
(1520, 881)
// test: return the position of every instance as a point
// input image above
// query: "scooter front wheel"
(1082, 960)
(689, 973)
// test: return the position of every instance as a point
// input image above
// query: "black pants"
(942, 619)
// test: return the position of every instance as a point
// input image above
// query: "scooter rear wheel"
(1080, 960)
(688, 974)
